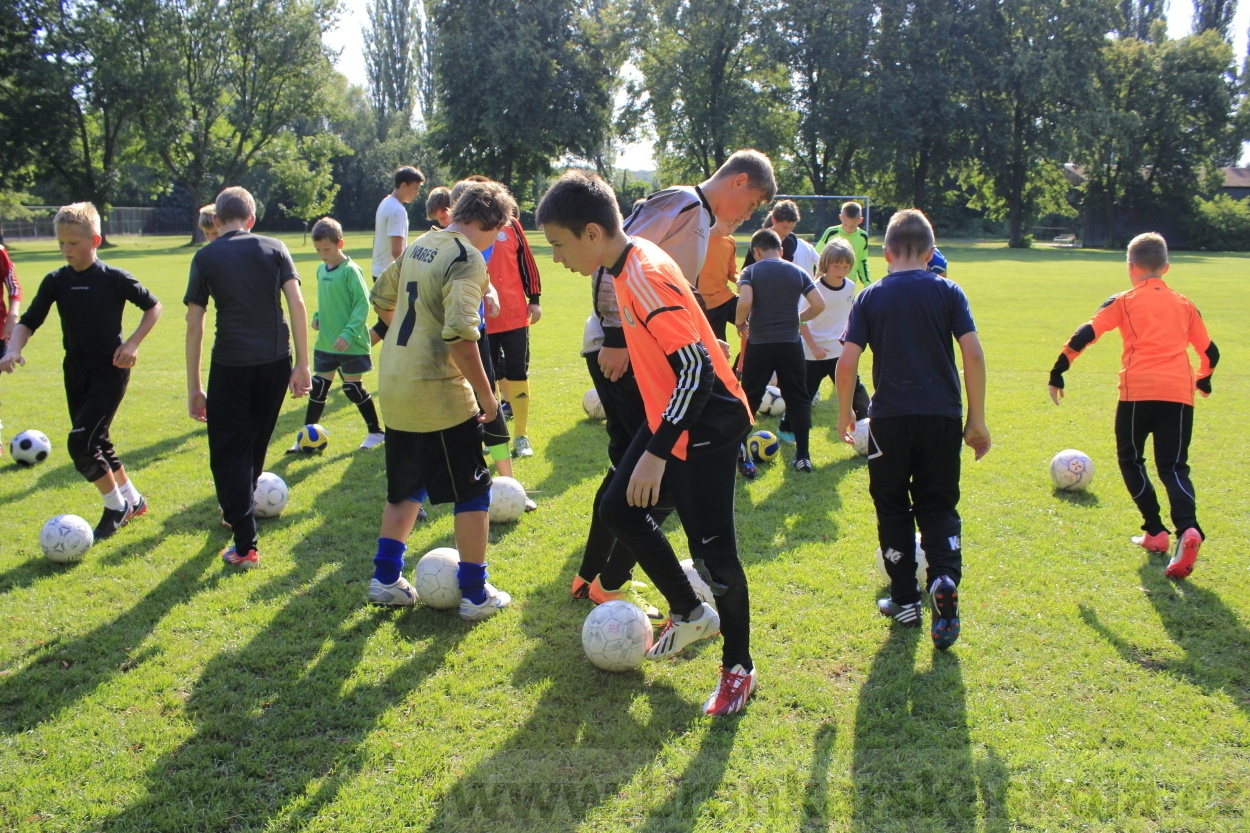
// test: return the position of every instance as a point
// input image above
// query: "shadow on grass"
(1077, 498)
(805, 508)
(912, 765)
(1216, 643)
(577, 454)
(699, 781)
(584, 740)
(816, 796)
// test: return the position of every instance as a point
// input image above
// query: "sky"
(639, 156)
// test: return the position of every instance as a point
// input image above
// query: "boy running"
(90, 297)
(1157, 386)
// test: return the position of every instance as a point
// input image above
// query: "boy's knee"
(88, 464)
(355, 392)
(320, 390)
(477, 503)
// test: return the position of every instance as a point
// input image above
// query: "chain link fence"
(122, 221)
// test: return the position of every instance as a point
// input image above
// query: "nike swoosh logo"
(710, 540)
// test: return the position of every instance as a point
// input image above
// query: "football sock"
(499, 452)
(355, 391)
(472, 581)
(519, 396)
(114, 500)
(130, 493)
(800, 444)
(389, 562)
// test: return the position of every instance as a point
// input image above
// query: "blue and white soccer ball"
(1071, 470)
(311, 439)
(763, 446)
(30, 447)
(616, 636)
(437, 578)
(271, 495)
(507, 500)
(66, 538)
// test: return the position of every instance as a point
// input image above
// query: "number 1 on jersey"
(410, 317)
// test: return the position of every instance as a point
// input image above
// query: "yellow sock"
(519, 398)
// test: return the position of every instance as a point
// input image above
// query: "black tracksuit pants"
(786, 360)
(243, 408)
(495, 431)
(94, 393)
(1172, 425)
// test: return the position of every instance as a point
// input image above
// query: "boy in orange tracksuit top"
(1156, 393)
(514, 275)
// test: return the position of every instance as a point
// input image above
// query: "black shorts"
(326, 362)
(510, 354)
(448, 463)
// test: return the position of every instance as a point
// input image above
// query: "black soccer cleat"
(945, 598)
(111, 521)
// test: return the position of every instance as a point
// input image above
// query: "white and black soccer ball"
(1071, 470)
(30, 447)
(66, 538)
(697, 584)
(437, 578)
(616, 636)
(270, 497)
(592, 406)
(860, 436)
(922, 564)
(771, 395)
(778, 406)
(507, 500)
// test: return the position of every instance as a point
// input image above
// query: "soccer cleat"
(786, 436)
(422, 515)
(530, 505)
(496, 600)
(802, 464)
(1153, 543)
(231, 556)
(134, 510)
(628, 593)
(295, 449)
(732, 692)
(944, 596)
(111, 521)
(745, 466)
(399, 594)
(580, 588)
(505, 408)
(678, 633)
(373, 439)
(907, 615)
(1186, 553)
(521, 447)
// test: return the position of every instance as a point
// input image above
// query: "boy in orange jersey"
(1157, 386)
(514, 274)
(696, 415)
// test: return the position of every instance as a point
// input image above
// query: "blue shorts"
(325, 362)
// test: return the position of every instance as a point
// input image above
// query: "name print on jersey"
(423, 254)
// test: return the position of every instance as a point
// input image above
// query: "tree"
(394, 53)
(229, 76)
(29, 85)
(1215, 15)
(302, 166)
(1138, 16)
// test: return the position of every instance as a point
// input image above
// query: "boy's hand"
(301, 380)
(340, 344)
(11, 361)
(613, 361)
(316, 325)
(197, 406)
(492, 304)
(819, 353)
(490, 408)
(846, 426)
(1203, 386)
(724, 348)
(977, 436)
(126, 355)
(535, 312)
(644, 483)
(1055, 394)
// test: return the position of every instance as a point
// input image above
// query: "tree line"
(963, 108)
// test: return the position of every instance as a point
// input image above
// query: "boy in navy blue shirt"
(909, 319)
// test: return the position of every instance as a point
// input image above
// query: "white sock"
(130, 493)
(114, 500)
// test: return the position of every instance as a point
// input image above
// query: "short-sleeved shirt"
(806, 257)
(859, 242)
(827, 328)
(910, 320)
(776, 288)
(789, 247)
(435, 289)
(514, 274)
(391, 220)
(342, 309)
(244, 274)
(720, 269)
(90, 304)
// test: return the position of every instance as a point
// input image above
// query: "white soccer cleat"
(521, 447)
(399, 594)
(373, 440)
(678, 633)
(731, 694)
(496, 600)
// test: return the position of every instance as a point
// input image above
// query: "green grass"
(147, 688)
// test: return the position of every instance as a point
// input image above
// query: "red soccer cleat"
(731, 694)
(1153, 543)
(1182, 563)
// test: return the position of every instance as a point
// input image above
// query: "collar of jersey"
(617, 268)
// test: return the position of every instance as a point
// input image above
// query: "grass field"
(148, 688)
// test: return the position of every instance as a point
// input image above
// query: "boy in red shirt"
(1157, 386)
(514, 274)
(696, 415)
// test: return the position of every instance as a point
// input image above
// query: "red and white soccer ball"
(1071, 470)
(616, 636)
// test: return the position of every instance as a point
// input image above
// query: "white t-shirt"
(390, 221)
(806, 257)
(829, 326)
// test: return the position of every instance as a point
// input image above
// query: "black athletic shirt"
(90, 305)
(244, 274)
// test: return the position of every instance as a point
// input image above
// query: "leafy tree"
(1138, 17)
(1215, 15)
(302, 166)
(395, 40)
(29, 85)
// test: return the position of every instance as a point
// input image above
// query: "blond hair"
(488, 205)
(757, 167)
(909, 233)
(837, 250)
(235, 203)
(79, 214)
(327, 228)
(207, 213)
(1148, 251)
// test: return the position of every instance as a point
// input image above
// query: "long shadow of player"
(577, 454)
(1216, 643)
(699, 781)
(912, 765)
(804, 509)
(583, 741)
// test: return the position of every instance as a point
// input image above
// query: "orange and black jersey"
(694, 403)
(1157, 325)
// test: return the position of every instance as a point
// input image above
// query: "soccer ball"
(592, 406)
(922, 564)
(66, 538)
(507, 500)
(312, 438)
(1071, 470)
(766, 403)
(764, 446)
(30, 447)
(437, 578)
(860, 436)
(270, 497)
(778, 406)
(697, 584)
(616, 636)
